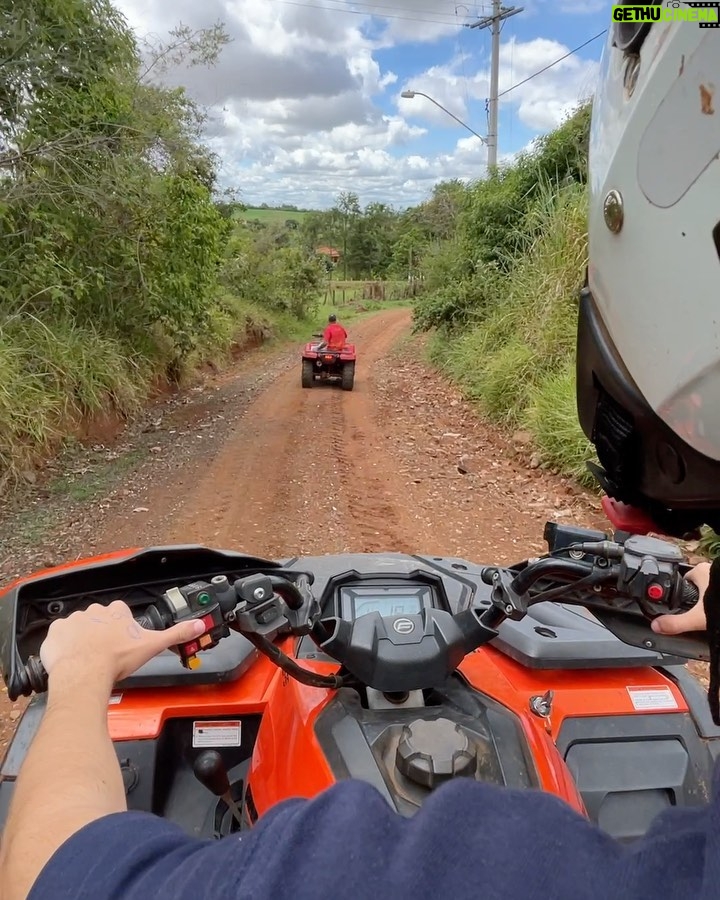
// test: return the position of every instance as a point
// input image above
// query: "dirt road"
(325, 471)
(254, 462)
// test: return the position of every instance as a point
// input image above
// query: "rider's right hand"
(693, 619)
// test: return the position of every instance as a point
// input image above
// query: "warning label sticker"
(114, 699)
(645, 698)
(216, 734)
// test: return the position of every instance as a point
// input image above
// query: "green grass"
(51, 377)
(552, 420)
(518, 362)
(56, 374)
(709, 543)
(271, 216)
(88, 486)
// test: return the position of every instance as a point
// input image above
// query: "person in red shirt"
(334, 335)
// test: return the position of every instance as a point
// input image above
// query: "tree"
(348, 208)
(106, 197)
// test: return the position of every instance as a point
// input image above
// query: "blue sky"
(468, 50)
(305, 101)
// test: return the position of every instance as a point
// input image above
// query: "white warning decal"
(652, 698)
(115, 699)
(216, 734)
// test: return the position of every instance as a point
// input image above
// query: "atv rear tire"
(308, 373)
(348, 376)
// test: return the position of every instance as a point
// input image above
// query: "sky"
(305, 101)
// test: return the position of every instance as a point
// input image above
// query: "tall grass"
(55, 373)
(517, 361)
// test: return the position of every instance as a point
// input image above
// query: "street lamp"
(408, 95)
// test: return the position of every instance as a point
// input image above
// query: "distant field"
(271, 216)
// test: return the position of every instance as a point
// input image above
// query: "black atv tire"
(308, 373)
(348, 376)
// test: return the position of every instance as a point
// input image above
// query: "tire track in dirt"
(294, 477)
(374, 508)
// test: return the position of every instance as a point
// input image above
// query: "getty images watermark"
(707, 15)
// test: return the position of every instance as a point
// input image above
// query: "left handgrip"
(32, 678)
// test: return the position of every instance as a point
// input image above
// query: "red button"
(655, 592)
(191, 648)
(208, 622)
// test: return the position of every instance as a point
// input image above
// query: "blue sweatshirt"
(469, 840)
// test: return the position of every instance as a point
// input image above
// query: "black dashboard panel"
(551, 636)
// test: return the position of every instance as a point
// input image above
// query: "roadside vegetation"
(501, 291)
(500, 297)
(122, 264)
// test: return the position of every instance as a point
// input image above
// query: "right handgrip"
(690, 594)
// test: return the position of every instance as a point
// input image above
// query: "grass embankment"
(57, 375)
(517, 358)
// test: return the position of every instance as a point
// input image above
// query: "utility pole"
(499, 14)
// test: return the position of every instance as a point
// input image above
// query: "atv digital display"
(388, 606)
(388, 600)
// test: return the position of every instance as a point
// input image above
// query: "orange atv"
(323, 363)
(400, 670)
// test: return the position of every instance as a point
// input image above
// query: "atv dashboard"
(347, 586)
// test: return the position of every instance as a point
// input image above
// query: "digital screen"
(388, 606)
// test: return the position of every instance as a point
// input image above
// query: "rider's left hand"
(104, 644)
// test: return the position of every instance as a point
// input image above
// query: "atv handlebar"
(641, 578)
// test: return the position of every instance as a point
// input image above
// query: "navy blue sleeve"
(469, 841)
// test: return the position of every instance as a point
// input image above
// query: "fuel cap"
(432, 752)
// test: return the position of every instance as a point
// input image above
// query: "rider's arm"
(71, 776)
(469, 840)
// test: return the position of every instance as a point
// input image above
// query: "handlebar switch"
(655, 592)
(649, 571)
(199, 600)
(260, 610)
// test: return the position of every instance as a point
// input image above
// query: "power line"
(545, 68)
(360, 12)
(399, 8)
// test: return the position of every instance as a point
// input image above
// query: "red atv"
(323, 363)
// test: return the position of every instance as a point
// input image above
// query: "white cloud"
(582, 7)
(299, 101)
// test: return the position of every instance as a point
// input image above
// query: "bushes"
(517, 358)
(494, 220)
(116, 264)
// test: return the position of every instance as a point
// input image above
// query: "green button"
(204, 599)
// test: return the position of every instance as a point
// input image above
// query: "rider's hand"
(693, 619)
(105, 644)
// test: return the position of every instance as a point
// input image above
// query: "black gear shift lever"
(210, 771)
